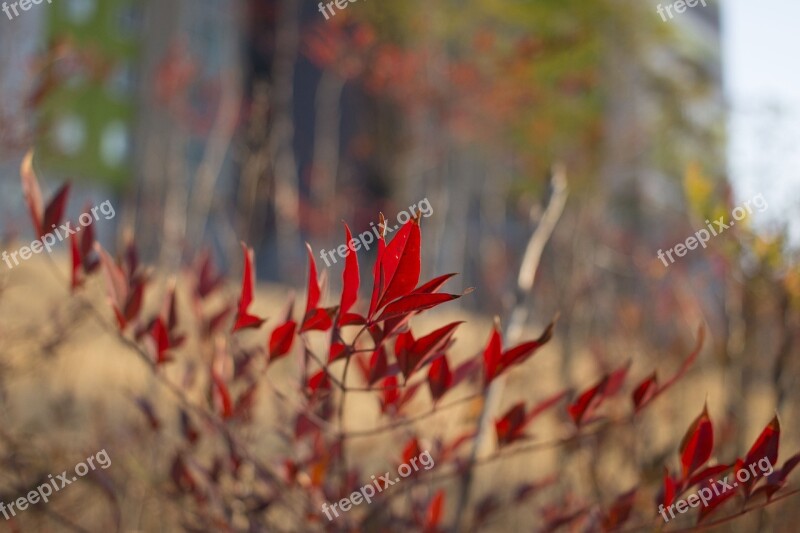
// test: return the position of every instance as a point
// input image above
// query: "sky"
(761, 42)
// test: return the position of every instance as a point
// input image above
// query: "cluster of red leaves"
(695, 451)
(384, 348)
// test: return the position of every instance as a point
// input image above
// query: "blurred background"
(210, 122)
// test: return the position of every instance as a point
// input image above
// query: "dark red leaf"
(433, 285)
(401, 263)
(244, 319)
(645, 391)
(492, 356)
(439, 378)
(350, 280)
(765, 446)
(433, 516)
(620, 511)
(377, 271)
(318, 319)
(54, 213)
(414, 303)
(582, 409)
(511, 425)
(697, 444)
(281, 340)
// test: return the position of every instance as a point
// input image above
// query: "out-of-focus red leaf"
(207, 279)
(648, 390)
(161, 339)
(244, 404)
(670, 488)
(717, 499)
(519, 354)
(645, 391)
(620, 511)
(77, 279)
(188, 430)
(319, 319)
(412, 354)
(338, 351)
(54, 213)
(244, 319)
(511, 425)
(766, 445)
(378, 365)
(433, 515)
(439, 378)
(221, 394)
(350, 280)
(281, 340)
(492, 356)
(697, 444)
(147, 408)
(704, 474)
(587, 403)
(777, 479)
(32, 192)
(313, 294)
(319, 382)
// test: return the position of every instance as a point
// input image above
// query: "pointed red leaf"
(433, 285)
(511, 425)
(697, 444)
(519, 354)
(645, 391)
(32, 193)
(350, 280)
(280, 342)
(244, 319)
(401, 263)
(439, 378)
(414, 303)
(582, 409)
(491, 356)
(54, 212)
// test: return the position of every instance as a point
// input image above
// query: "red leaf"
(337, 351)
(77, 279)
(766, 445)
(221, 394)
(318, 319)
(716, 500)
(433, 285)
(545, 405)
(350, 280)
(54, 212)
(519, 354)
(378, 365)
(401, 263)
(280, 342)
(648, 390)
(433, 516)
(670, 488)
(312, 298)
(161, 338)
(245, 320)
(377, 271)
(511, 425)
(492, 356)
(697, 444)
(32, 192)
(645, 391)
(414, 303)
(777, 479)
(319, 381)
(439, 378)
(620, 511)
(412, 354)
(582, 408)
